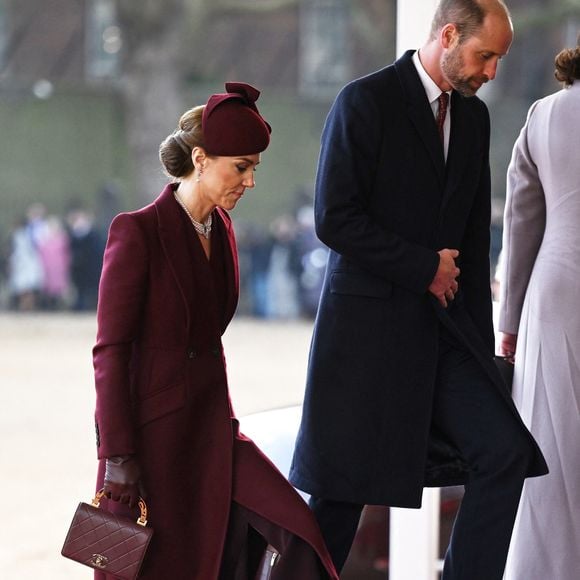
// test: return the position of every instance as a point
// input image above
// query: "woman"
(540, 312)
(25, 275)
(164, 423)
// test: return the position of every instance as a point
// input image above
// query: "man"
(402, 391)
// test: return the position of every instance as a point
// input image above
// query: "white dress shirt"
(433, 92)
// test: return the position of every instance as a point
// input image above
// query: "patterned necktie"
(441, 114)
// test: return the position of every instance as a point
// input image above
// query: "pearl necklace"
(203, 229)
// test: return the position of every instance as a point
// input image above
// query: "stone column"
(413, 23)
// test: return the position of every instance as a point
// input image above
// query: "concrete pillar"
(413, 23)
(414, 540)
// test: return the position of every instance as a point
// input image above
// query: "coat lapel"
(460, 146)
(232, 270)
(172, 235)
(420, 113)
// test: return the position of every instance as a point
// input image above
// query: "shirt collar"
(431, 88)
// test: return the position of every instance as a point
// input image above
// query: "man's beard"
(452, 65)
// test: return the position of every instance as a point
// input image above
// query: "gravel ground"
(47, 449)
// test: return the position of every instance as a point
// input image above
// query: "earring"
(199, 174)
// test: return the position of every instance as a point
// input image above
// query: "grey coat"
(540, 290)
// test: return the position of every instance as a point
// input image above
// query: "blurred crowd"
(51, 262)
(281, 267)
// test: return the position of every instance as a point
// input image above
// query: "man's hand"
(123, 479)
(507, 346)
(444, 284)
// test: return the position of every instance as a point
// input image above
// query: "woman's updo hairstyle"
(175, 150)
(568, 65)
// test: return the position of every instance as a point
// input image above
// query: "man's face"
(466, 66)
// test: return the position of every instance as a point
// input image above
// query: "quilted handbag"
(113, 544)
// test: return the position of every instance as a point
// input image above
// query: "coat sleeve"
(524, 225)
(122, 292)
(347, 168)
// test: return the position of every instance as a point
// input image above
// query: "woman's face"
(225, 179)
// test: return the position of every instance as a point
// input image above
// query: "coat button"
(191, 353)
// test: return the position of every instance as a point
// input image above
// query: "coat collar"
(419, 111)
(172, 234)
(461, 138)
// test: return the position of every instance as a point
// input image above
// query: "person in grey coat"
(540, 323)
(402, 390)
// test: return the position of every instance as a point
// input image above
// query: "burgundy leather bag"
(104, 541)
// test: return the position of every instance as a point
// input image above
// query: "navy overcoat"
(386, 202)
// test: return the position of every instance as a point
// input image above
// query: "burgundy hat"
(232, 124)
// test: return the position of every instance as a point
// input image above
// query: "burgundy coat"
(162, 394)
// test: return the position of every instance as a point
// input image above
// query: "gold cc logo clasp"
(99, 561)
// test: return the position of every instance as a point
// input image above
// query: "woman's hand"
(507, 346)
(123, 479)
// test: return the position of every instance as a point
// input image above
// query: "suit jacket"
(386, 201)
(162, 394)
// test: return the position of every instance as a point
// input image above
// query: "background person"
(539, 312)
(25, 275)
(164, 422)
(402, 390)
(54, 251)
(86, 249)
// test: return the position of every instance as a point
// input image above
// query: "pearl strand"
(203, 229)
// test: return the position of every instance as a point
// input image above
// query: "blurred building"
(57, 41)
(61, 117)
(88, 88)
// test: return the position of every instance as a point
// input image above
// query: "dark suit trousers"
(469, 410)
